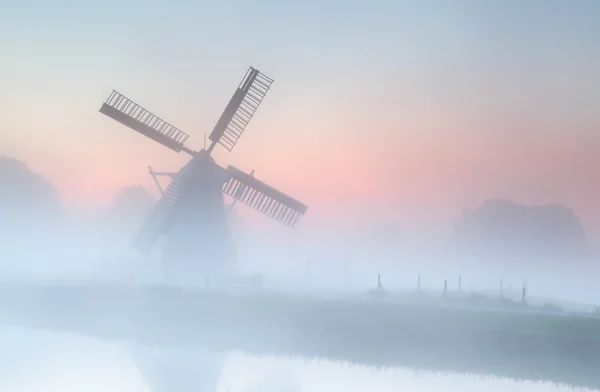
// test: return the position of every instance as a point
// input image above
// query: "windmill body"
(190, 216)
(197, 240)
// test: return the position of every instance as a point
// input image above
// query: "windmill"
(190, 216)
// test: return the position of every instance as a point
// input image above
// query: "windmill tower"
(190, 216)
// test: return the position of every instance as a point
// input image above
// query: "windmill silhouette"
(190, 216)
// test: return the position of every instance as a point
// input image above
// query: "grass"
(438, 315)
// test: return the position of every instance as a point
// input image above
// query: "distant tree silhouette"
(30, 214)
(128, 209)
(503, 228)
(118, 222)
(25, 197)
(131, 202)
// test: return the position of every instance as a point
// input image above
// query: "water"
(32, 361)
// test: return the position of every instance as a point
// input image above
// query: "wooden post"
(524, 292)
(419, 283)
(379, 285)
(459, 284)
(501, 288)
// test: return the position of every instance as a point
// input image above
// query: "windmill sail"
(263, 198)
(241, 108)
(122, 109)
(155, 223)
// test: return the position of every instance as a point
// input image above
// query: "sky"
(408, 110)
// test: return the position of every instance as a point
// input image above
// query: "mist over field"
(544, 246)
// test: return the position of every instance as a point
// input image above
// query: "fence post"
(379, 285)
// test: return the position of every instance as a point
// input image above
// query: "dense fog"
(73, 275)
(447, 152)
(496, 246)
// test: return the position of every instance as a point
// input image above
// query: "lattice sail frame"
(240, 109)
(158, 219)
(263, 198)
(124, 110)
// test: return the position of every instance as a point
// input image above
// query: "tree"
(31, 215)
(126, 213)
(131, 204)
(111, 230)
(26, 198)
(506, 229)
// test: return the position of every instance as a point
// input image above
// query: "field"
(373, 331)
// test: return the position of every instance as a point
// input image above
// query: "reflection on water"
(47, 362)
